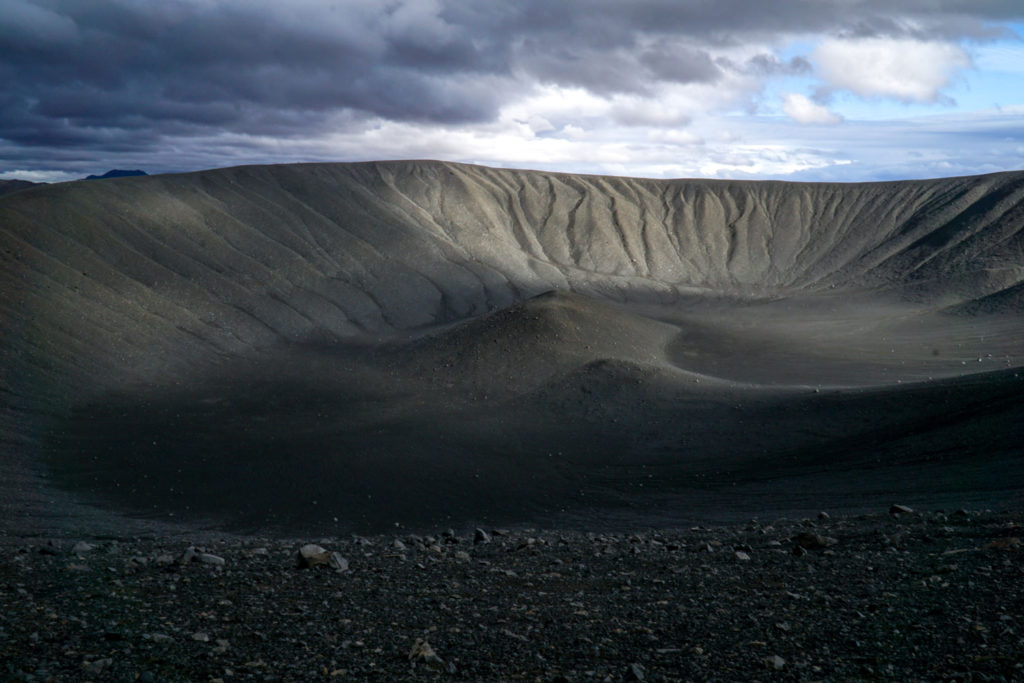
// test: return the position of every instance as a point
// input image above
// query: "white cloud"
(802, 110)
(40, 176)
(572, 132)
(905, 69)
(539, 124)
(707, 148)
(674, 137)
(763, 160)
(557, 105)
(647, 112)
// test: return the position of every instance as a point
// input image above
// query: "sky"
(805, 90)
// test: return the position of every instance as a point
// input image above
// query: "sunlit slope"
(136, 278)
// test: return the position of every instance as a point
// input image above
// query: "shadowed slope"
(391, 295)
(401, 435)
(9, 186)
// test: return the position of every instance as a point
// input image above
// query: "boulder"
(312, 555)
(812, 541)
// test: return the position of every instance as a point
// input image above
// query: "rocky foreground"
(901, 595)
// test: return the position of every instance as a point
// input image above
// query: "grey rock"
(812, 541)
(481, 537)
(636, 672)
(50, 548)
(514, 636)
(312, 555)
(775, 663)
(214, 560)
(82, 548)
(525, 543)
(136, 561)
(337, 562)
(423, 653)
(97, 666)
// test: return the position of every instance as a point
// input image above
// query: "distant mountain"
(115, 173)
(8, 186)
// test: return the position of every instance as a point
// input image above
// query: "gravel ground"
(898, 596)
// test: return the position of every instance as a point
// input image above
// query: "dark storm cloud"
(91, 74)
(124, 65)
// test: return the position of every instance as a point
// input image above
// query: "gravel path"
(897, 596)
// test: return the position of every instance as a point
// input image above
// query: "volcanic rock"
(312, 555)
(811, 541)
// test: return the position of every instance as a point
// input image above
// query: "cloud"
(903, 68)
(182, 84)
(771, 65)
(26, 21)
(803, 110)
(893, 149)
(39, 176)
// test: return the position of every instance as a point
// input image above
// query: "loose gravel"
(903, 595)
